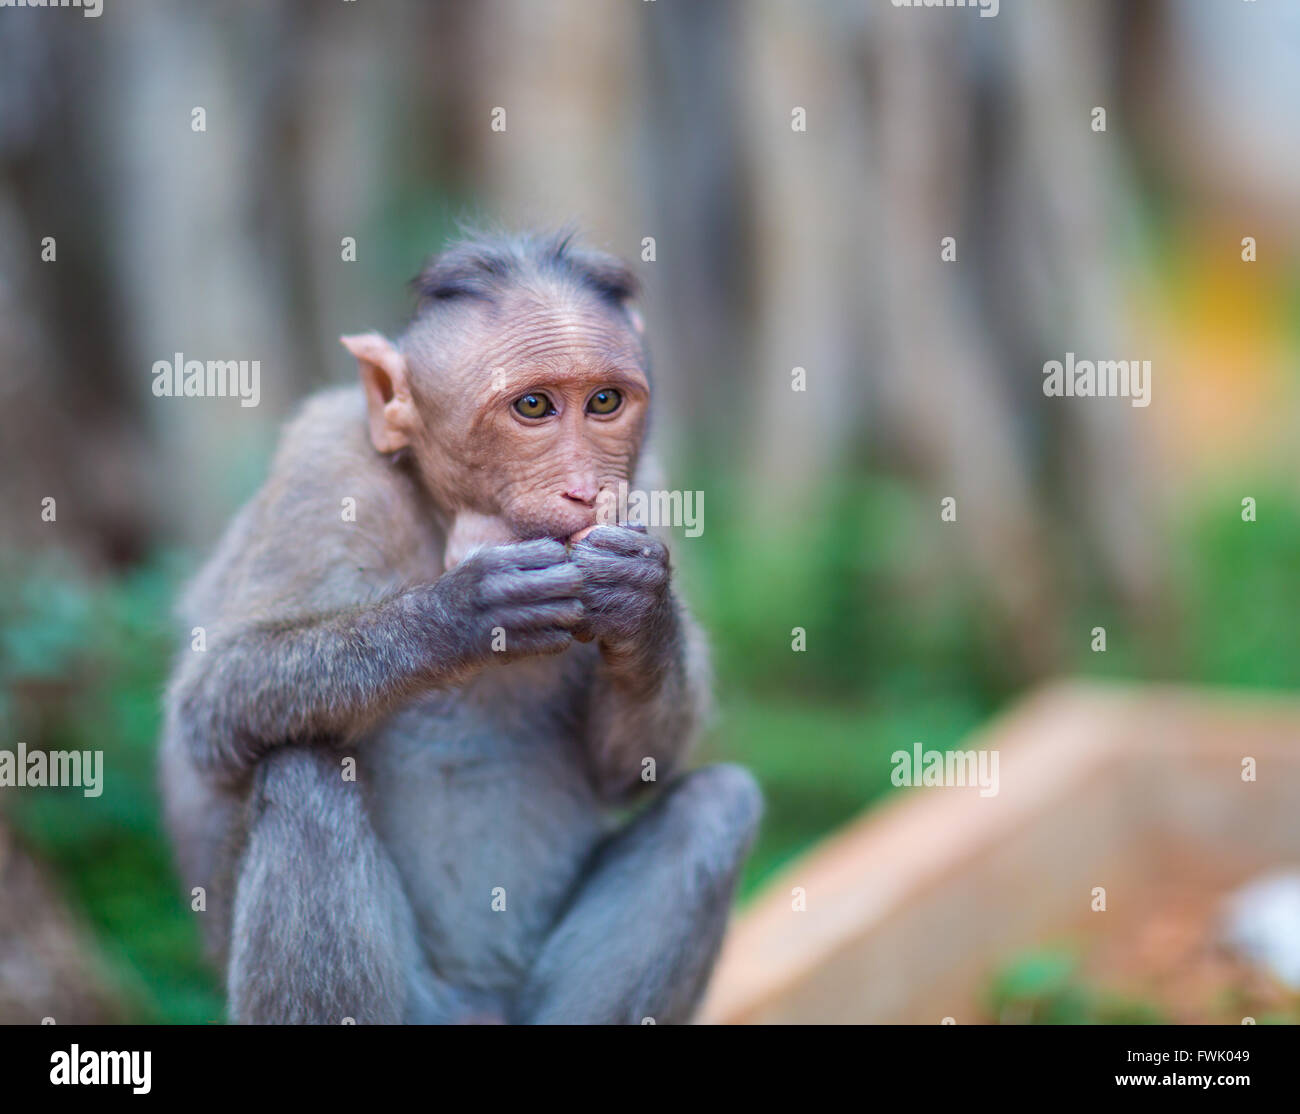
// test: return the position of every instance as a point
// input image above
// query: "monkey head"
(520, 391)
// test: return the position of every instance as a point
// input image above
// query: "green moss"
(1045, 988)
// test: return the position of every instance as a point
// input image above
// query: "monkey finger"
(620, 572)
(526, 586)
(541, 553)
(627, 541)
(529, 643)
(564, 614)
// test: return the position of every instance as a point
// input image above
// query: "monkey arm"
(323, 678)
(649, 700)
(650, 689)
(329, 676)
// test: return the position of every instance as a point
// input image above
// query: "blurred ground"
(1166, 966)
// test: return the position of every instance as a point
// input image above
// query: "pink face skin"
(470, 531)
(501, 474)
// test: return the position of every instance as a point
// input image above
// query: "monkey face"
(545, 414)
(523, 415)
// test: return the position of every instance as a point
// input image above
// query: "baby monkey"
(430, 687)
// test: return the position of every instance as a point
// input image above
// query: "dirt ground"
(1161, 956)
(1173, 960)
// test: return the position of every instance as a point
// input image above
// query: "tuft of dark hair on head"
(485, 266)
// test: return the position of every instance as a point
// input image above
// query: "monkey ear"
(388, 390)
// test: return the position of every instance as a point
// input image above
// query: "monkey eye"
(534, 406)
(605, 402)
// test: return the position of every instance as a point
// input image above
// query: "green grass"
(821, 764)
(82, 667)
(1046, 988)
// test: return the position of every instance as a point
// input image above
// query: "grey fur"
(486, 267)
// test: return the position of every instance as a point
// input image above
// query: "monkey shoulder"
(335, 523)
(325, 440)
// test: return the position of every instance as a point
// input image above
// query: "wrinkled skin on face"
(502, 476)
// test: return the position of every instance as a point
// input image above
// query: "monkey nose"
(583, 493)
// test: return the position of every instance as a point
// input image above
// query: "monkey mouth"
(568, 528)
(567, 533)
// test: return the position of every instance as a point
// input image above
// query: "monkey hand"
(502, 603)
(625, 594)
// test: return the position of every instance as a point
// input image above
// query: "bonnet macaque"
(433, 683)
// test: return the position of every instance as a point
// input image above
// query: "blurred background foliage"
(774, 249)
(83, 662)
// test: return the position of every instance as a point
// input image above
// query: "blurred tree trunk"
(566, 76)
(949, 412)
(813, 256)
(70, 429)
(195, 252)
(691, 159)
(1060, 201)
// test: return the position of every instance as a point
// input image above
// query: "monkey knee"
(306, 782)
(726, 793)
(289, 769)
(320, 928)
(716, 811)
(307, 820)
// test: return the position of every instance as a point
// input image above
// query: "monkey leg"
(321, 930)
(639, 937)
